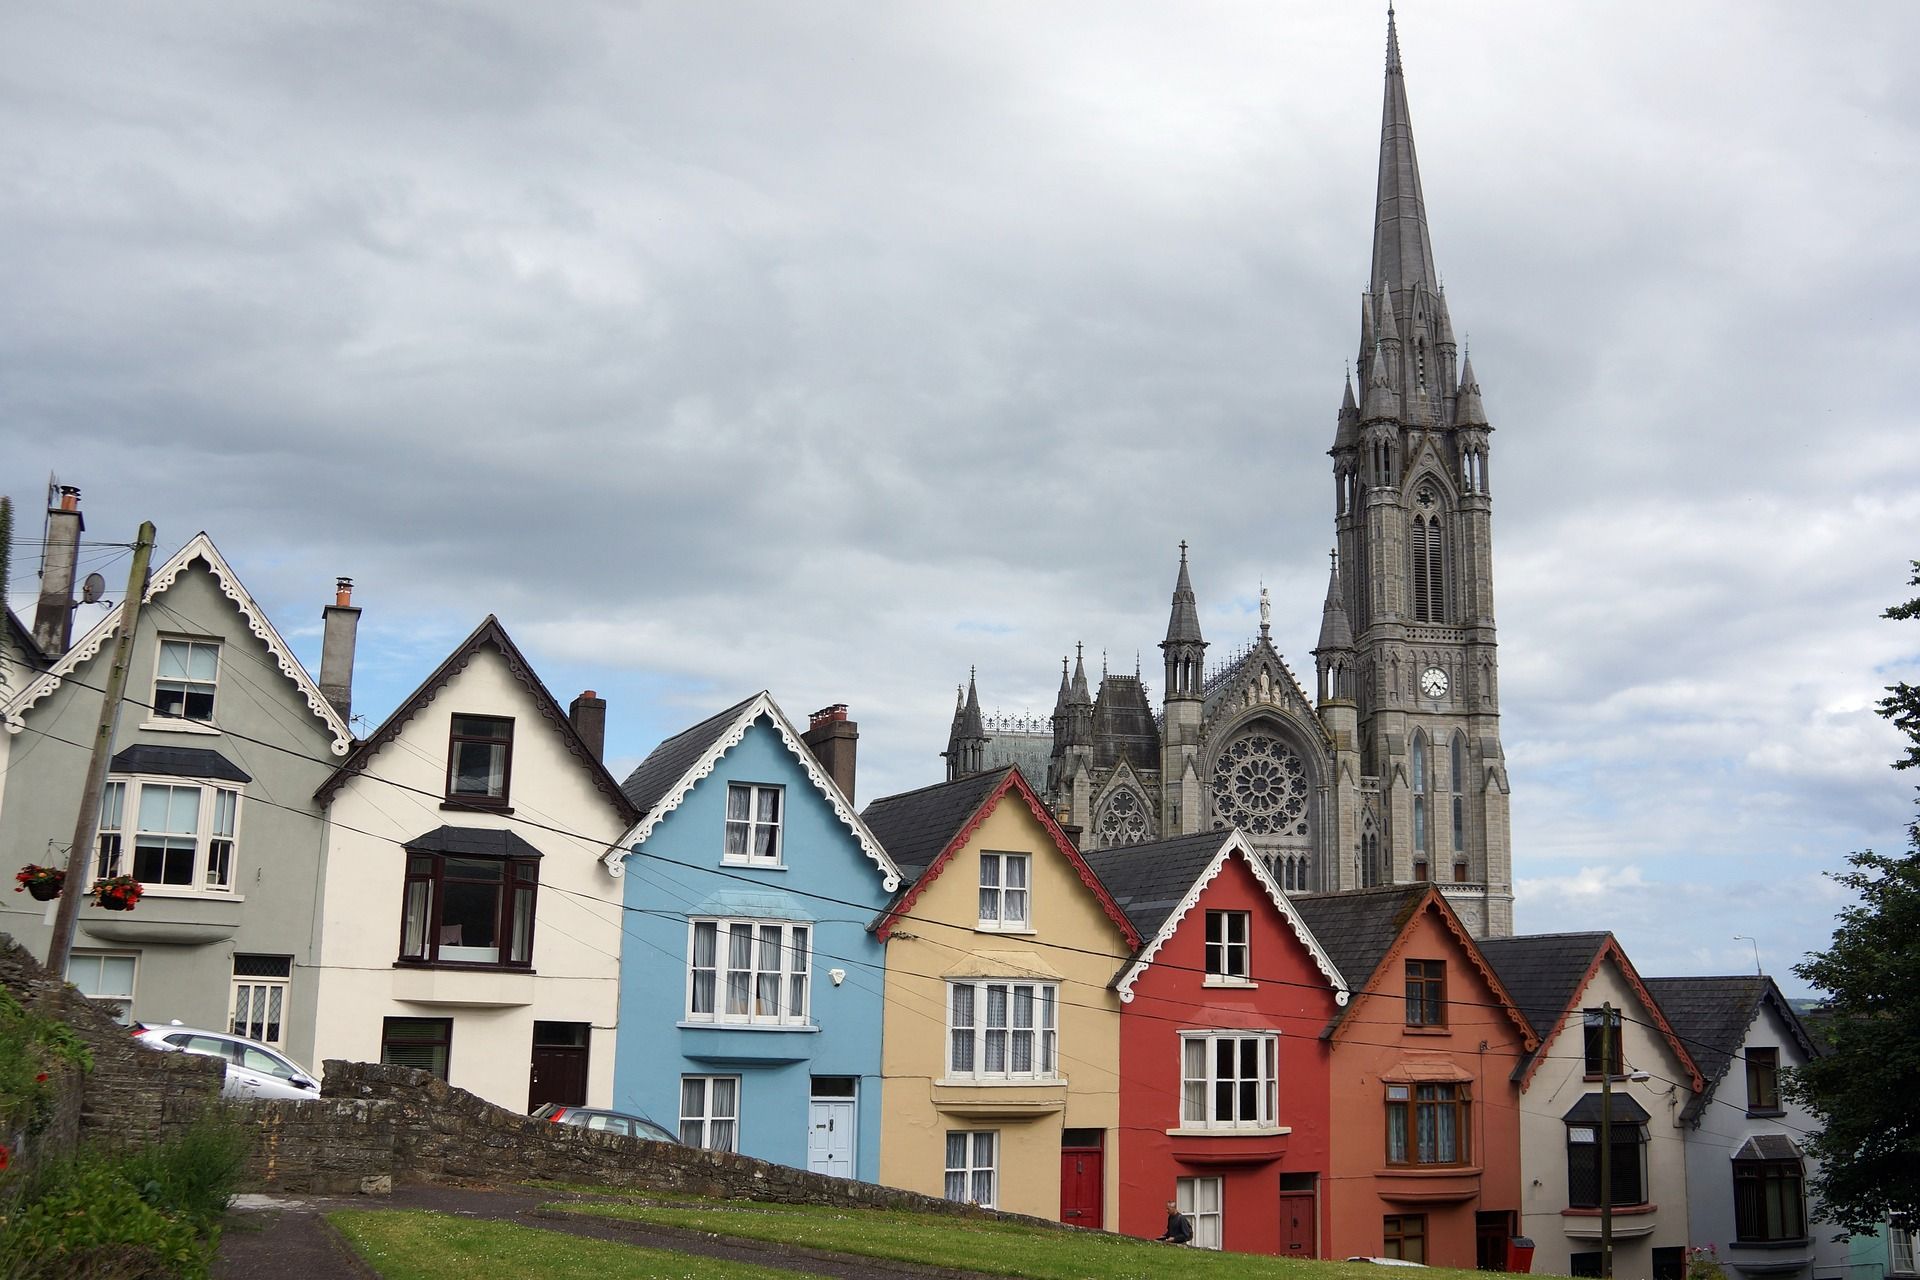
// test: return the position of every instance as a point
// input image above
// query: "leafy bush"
(32, 1048)
(193, 1176)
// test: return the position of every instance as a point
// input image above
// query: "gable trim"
(488, 632)
(199, 548)
(1232, 843)
(1010, 781)
(761, 704)
(1611, 947)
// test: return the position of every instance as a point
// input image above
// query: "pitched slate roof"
(669, 773)
(1150, 880)
(1712, 1015)
(929, 824)
(477, 842)
(1543, 971)
(1357, 928)
(667, 763)
(488, 633)
(178, 762)
(915, 826)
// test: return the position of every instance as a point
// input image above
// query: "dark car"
(622, 1122)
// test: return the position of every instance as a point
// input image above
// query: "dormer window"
(480, 760)
(186, 678)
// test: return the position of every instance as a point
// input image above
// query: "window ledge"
(756, 865)
(1795, 1242)
(175, 724)
(1269, 1131)
(1594, 1077)
(1429, 1031)
(1022, 932)
(476, 806)
(1619, 1210)
(1769, 1113)
(179, 893)
(1221, 980)
(1000, 1082)
(757, 1027)
(458, 966)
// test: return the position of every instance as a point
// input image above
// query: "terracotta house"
(1002, 1029)
(1223, 1071)
(1423, 1108)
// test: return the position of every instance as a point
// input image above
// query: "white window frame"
(216, 833)
(1204, 1202)
(120, 1003)
(1900, 1259)
(1006, 907)
(978, 1167)
(1200, 1088)
(250, 1002)
(1224, 951)
(706, 1118)
(186, 682)
(977, 1037)
(753, 824)
(758, 973)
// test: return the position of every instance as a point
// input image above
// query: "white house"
(469, 926)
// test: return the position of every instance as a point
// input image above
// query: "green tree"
(1866, 1089)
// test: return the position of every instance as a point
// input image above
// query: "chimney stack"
(53, 620)
(589, 715)
(833, 738)
(342, 621)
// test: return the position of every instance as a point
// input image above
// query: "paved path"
(269, 1236)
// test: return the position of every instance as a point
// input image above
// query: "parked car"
(625, 1122)
(253, 1069)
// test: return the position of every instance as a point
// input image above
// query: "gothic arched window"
(1419, 780)
(1124, 821)
(1456, 780)
(1369, 854)
(1260, 786)
(1426, 558)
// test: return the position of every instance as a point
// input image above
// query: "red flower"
(41, 1078)
(5, 1155)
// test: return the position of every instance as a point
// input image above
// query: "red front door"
(1081, 1184)
(1296, 1224)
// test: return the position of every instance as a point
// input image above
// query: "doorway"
(830, 1126)
(1491, 1232)
(559, 1069)
(1083, 1181)
(1297, 1216)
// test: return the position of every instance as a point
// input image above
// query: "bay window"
(1002, 1030)
(1427, 1123)
(752, 972)
(181, 833)
(464, 906)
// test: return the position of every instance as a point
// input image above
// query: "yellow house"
(1001, 1043)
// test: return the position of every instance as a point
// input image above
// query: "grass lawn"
(996, 1248)
(406, 1245)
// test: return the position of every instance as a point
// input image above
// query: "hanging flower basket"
(117, 893)
(42, 882)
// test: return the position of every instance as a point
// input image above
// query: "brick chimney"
(53, 620)
(342, 621)
(833, 738)
(589, 715)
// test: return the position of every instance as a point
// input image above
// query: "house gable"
(200, 550)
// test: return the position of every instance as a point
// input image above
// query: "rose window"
(1260, 786)
(1124, 822)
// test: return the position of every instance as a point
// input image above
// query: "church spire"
(1402, 248)
(1183, 623)
(1184, 647)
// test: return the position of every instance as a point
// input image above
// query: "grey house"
(222, 740)
(1746, 1178)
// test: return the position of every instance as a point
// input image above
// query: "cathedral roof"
(1183, 621)
(1467, 409)
(1335, 631)
(1123, 725)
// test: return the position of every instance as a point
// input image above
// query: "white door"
(830, 1137)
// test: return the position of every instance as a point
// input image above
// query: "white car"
(253, 1070)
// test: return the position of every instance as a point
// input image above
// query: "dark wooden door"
(559, 1070)
(1491, 1231)
(1082, 1184)
(1296, 1224)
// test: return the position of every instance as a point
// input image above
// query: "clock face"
(1433, 682)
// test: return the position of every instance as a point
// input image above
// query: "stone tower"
(1407, 651)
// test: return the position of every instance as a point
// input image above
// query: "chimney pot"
(343, 592)
(69, 497)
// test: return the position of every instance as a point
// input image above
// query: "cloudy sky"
(833, 348)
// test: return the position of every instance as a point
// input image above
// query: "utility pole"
(1606, 1141)
(81, 851)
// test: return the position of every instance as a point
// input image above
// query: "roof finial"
(1393, 43)
(1183, 551)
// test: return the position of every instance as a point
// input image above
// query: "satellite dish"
(93, 588)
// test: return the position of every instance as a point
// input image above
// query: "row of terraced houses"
(939, 992)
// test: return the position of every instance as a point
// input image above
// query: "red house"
(1425, 1098)
(1223, 1071)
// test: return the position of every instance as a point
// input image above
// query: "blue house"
(750, 988)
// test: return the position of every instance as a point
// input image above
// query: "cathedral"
(1392, 770)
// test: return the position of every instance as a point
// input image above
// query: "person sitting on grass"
(1179, 1230)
